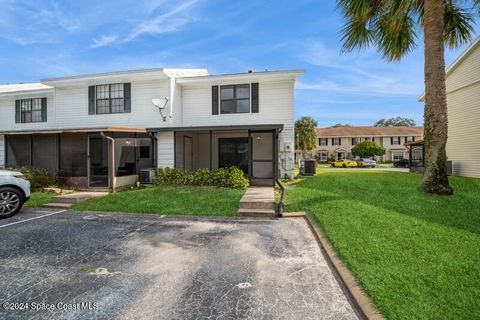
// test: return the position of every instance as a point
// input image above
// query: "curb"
(360, 300)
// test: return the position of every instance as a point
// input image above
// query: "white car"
(368, 163)
(14, 192)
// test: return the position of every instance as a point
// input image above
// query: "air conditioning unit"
(147, 175)
(308, 167)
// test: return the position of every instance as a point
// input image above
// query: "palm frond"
(358, 14)
(396, 34)
(458, 24)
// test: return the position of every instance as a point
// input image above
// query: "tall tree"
(395, 122)
(305, 135)
(391, 26)
(367, 149)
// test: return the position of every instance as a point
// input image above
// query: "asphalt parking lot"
(70, 265)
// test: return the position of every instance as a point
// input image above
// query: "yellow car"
(344, 163)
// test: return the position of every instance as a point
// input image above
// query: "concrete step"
(256, 204)
(256, 213)
(58, 205)
(77, 197)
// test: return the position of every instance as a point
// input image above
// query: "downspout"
(112, 162)
(281, 204)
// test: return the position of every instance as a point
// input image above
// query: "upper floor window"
(31, 110)
(235, 99)
(323, 142)
(409, 139)
(395, 140)
(369, 139)
(336, 141)
(355, 141)
(110, 98)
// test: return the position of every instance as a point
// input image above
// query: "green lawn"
(204, 201)
(417, 256)
(38, 199)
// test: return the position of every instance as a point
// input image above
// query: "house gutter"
(112, 162)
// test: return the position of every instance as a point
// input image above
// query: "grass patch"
(416, 255)
(38, 199)
(202, 201)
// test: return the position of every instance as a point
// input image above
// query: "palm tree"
(305, 134)
(392, 26)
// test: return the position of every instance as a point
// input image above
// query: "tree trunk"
(435, 179)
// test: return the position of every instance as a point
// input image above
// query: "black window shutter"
(214, 99)
(326, 141)
(391, 140)
(413, 138)
(91, 100)
(339, 141)
(254, 97)
(373, 139)
(406, 139)
(18, 117)
(127, 97)
(44, 109)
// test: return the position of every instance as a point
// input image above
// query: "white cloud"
(172, 20)
(360, 73)
(103, 41)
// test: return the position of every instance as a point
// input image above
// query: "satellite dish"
(160, 103)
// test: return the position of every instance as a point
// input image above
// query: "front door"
(98, 162)
(233, 152)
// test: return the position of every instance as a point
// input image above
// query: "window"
(399, 155)
(369, 139)
(336, 141)
(235, 99)
(110, 98)
(31, 110)
(395, 140)
(355, 141)
(323, 156)
(409, 139)
(323, 142)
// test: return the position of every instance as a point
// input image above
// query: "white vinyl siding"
(165, 149)
(2, 151)
(463, 104)
(7, 114)
(72, 107)
(464, 130)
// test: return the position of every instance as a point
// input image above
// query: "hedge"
(224, 177)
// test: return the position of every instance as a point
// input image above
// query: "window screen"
(73, 151)
(18, 150)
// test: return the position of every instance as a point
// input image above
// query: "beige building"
(337, 143)
(463, 99)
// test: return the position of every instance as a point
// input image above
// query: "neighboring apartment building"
(337, 143)
(100, 130)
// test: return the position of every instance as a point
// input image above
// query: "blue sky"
(41, 39)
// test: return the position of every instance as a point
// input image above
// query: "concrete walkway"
(67, 200)
(258, 202)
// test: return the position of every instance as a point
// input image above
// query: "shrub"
(224, 177)
(39, 178)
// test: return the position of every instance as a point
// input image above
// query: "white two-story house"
(101, 130)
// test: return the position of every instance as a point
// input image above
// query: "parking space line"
(34, 218)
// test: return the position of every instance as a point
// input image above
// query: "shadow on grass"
(393, 192)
